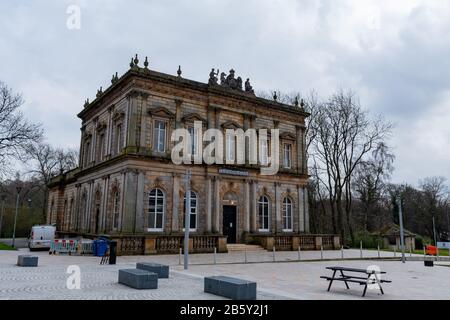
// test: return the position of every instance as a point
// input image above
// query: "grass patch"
(6, 247)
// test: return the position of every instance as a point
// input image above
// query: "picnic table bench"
(370, 277)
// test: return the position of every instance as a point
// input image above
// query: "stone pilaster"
(129, 201)
(175, 202)
(300, 148)
(143, 116)
(104, 204)
(305, 197)
(247, 205)
(139, 219)
(208, 204)
(301, 209)
(131, 122)
(254, 208)
(216, 216)
(278, 218)
(110, 131)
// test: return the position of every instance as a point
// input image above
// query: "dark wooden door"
(229, 223)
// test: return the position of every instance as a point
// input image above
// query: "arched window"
(263, 205)
(156, 207)
(287, 214)
(193, 213)
(116, 210)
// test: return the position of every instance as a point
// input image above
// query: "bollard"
(321, 252)
(245, 255)
(360, 250)
(299, 257)
(112, 252)
(378, 251)
(215, 252)
(342, 252)
(410, 251)
(179, 256)
(273, 251)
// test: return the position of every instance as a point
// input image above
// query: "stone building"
(127, 187)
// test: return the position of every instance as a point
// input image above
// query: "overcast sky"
(394, 54)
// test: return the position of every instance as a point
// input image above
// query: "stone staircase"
(237, 247)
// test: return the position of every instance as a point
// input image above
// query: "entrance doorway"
(229, 223)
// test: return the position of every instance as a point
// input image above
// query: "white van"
(41, 237)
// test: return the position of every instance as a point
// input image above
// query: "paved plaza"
(284, 279)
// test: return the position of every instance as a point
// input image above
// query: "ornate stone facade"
(126, 183)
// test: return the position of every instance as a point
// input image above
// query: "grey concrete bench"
(161, 270)
(138, 279)
(232, 288)
(27, 261)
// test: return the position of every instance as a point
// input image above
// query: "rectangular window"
(287, 155)
(159, 136)
(87, 153)
(101, 146)
(263, 205)
(264, 152)
(192, 214)
(156, 210)
(230, 147)
(194, 140)
(116, 211)
(119, 139)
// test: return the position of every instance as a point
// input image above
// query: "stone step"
(244, 247)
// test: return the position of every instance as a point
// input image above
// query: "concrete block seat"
(160, 269)
(27, 261)
(138, 279)
(233, 288)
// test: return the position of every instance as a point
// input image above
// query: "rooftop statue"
(213, 76)
(248, 87)
(223, 80)
(229, 81)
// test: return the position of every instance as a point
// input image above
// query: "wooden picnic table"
(370, 277)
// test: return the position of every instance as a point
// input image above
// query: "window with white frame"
(230, 139)
(287, 214)
(194, 140)
(192, 214)
(264, 152)
(156, 207)
(287, 151)
(263, 205)
(159, 136)
(116, 210)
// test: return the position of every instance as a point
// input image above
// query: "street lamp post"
(2, 212)
(18, 188)
(402, 239)
(187, 218)
(434, 232)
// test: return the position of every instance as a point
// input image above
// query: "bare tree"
(48, 162)
(435, 194)
(15, 131)
(344, 135)
(371, 178)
